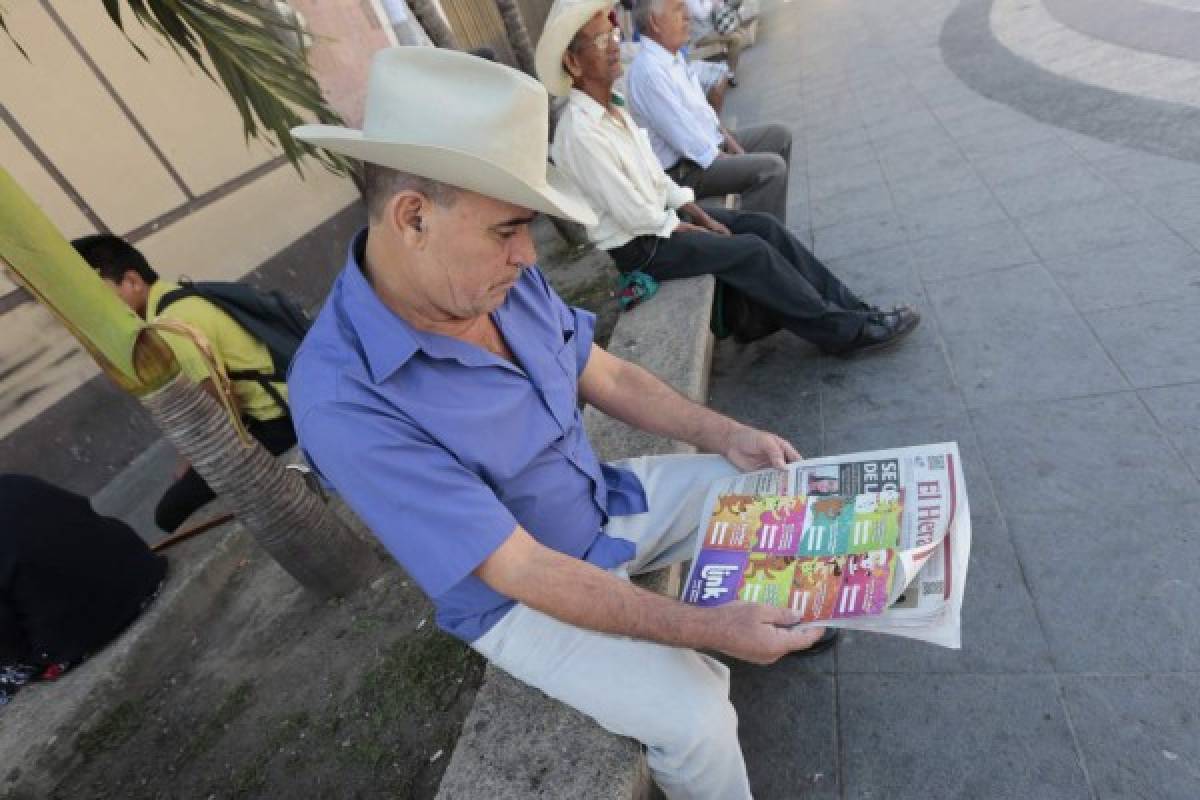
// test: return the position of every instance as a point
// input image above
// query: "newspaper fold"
(874, 541)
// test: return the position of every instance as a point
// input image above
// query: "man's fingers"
(791, 452)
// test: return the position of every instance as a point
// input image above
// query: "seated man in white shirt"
(598, 145)
(688, 138)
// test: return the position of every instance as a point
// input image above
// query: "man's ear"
(132, 279)
(405, 212)
(571, 64)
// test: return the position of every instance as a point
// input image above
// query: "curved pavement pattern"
(972, 51)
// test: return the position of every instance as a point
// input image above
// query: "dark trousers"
(764, 262)
(190, 492)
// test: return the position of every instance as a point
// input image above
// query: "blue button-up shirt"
(442, 448)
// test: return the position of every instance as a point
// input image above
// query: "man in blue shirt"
(438, 393)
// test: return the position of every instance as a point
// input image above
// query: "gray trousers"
(673, 700)
(760, 176)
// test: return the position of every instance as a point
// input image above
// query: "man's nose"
(522, 250)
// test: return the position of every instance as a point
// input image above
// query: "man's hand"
(687, 227)
(716, 227)
(758, 633)
(749, 448)
(701, 221)
(731, 145)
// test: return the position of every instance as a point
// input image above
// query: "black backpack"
(269, 316)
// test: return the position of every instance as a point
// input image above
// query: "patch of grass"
(210, 731)
(112, 731)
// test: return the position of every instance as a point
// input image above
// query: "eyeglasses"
(601, 40)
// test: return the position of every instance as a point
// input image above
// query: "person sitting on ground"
(70, 580)
(704, 33)
(688, 139)
(263, 408)
(598, 145)
(438, 392)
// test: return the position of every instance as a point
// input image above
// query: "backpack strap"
(267, 382)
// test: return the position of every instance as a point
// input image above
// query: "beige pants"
(673, 700)
(733, 43)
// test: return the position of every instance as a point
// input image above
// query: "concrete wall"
(151, 149)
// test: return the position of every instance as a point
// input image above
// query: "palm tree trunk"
(518, 35)
(303, 533)
(291, 522)
(429, 13)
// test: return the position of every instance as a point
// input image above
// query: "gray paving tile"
(1129, 275)
(982, 248)
(1115, 584)
(950, 212)
(788, 729)
(1141, 172)
(884, 277)
(1154, 344)
(1093, 149)
(917, 119)
(1025, 162)
(1037, 194)
(1176, 204)
(1000, 631)
(1003, 139)
(1063, 455)
(922, 161)
(910, 190)
(1177, 409)
(1001, 737)
(909, 380)
(1089, 226)
(826, 184)
(867, 201)
(932, 137)
(981, 300)
(1026, 359)
(1139, 735)
(857, 236)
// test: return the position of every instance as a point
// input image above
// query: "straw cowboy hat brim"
(562, 23)
(456, 168)
(460, 120)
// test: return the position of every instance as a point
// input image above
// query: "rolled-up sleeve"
(435, 516)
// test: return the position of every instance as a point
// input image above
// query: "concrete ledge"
(517, 743)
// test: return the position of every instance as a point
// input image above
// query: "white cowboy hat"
(461, 120)
(565, 19)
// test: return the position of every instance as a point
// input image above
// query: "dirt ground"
(282, 696)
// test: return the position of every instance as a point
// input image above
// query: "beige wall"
(230, 207)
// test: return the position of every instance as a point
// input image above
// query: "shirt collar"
(656, 51)
(386, 340)
(587, 104)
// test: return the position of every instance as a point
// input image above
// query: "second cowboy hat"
(565, 19)
(460, 120)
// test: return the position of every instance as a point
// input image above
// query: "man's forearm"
(586, 596)
(640, 399)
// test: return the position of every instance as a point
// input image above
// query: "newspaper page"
(872, 541)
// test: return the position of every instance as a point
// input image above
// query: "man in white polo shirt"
(688, 139)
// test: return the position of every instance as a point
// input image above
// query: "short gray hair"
(381, 184)
(644, 11)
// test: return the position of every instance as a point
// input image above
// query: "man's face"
(672, 27)
(598, 64)
(477, 248)
(132, 290)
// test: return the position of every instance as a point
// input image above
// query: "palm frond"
(269, 83)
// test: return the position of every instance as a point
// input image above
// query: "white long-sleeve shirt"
(610, 161)
(665, 97)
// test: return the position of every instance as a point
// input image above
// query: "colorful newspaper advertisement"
(873, 541)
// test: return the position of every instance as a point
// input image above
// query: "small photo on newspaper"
(876, 541)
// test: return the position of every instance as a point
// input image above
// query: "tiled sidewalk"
(1047, 223)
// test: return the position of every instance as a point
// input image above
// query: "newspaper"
(875, 541)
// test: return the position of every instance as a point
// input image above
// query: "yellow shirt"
(236, 348)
